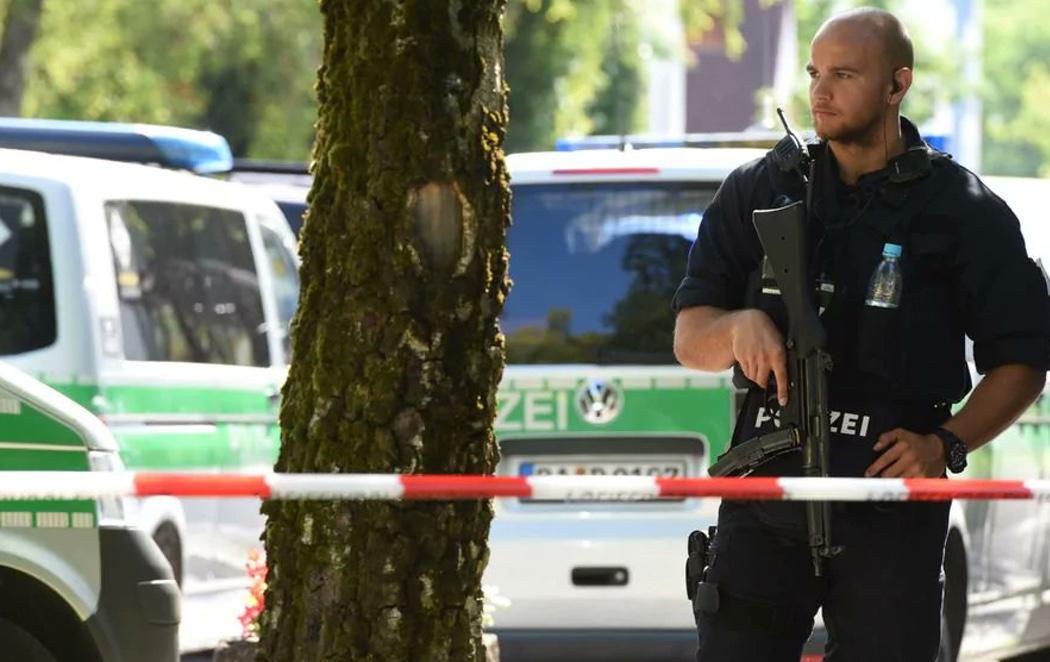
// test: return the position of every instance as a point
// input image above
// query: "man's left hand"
(908, 455)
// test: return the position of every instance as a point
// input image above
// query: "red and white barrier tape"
(24, 485)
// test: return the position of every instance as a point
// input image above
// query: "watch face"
(954, 451)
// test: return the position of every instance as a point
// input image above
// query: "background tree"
(398, 351)
(245, 69)
(19, 32)
(577, 67)
(566, 58)
(1016, 88)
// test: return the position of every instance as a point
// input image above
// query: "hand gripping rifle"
(804, 421)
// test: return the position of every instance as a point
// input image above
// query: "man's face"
(849, 84)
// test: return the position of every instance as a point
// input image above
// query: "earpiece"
(896, 87)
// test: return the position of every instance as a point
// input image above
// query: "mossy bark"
(397, 348)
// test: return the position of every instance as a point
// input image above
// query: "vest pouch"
(932, 351)
(878, 332)
(878, 352)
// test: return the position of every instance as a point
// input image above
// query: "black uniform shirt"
(965, 267)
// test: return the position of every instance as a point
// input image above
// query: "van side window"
(285, 276)
(27, 299)
(187, 284)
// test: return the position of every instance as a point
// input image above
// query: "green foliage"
(1017, 88)
(247, 68)
(702, 17)
(577, 67)
(244, 69)
(566, 59)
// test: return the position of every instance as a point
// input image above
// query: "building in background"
(726, 94)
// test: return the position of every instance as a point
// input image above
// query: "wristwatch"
(954, 450)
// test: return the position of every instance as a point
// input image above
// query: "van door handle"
(600, 576)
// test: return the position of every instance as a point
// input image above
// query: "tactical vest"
(873, 354)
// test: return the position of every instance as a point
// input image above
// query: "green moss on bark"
(398, 354)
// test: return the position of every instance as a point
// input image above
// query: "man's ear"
(901, 80)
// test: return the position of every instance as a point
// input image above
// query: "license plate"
(604, 467)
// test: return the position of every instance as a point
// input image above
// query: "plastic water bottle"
(884, 290)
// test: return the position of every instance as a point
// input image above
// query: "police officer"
(896, 371)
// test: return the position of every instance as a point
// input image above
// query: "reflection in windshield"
(594, 269)
(27, 307)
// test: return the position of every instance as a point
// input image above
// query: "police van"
(160, 301)
(77, 581)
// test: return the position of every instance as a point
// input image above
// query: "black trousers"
(881, 595)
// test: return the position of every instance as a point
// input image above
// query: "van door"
(196, 381)
(1009, 583)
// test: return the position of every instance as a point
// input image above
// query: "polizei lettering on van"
(532, 411)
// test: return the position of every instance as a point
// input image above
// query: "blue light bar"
(761, 139)
(938, 141)
(202, 152)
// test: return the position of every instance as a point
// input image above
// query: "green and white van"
(77, 581)
(160, 301)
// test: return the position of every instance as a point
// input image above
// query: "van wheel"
(945, 653)
(953, 611)
(956, 581)
(167, 538)
(18, 644)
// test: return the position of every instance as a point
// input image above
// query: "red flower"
(256, 568)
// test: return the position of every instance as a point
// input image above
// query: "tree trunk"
(20, 27)
(397, 348)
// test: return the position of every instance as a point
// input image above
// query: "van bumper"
(594, 645)
(620, 645)
(139, 604)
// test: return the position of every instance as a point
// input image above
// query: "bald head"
(872, 27)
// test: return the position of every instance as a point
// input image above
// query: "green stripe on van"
(45, 513)
(230, 446)
(26, 459)
(166, 399)
(23, 423)
(185, 399)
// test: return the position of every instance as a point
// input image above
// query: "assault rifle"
(804, 421)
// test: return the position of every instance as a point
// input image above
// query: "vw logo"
(599, 401)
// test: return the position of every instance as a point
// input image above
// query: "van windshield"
(27, 302)
(595, 267)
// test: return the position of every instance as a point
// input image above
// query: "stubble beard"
(865, 131)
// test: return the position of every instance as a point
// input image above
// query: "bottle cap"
(891, 250)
